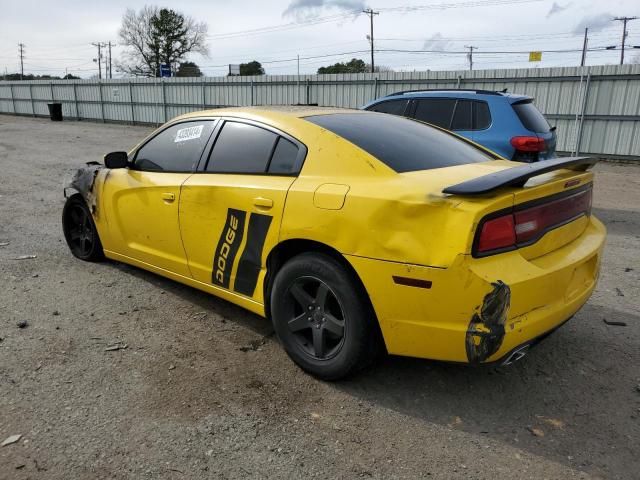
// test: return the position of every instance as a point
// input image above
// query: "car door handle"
(168, 197)
(263, 202)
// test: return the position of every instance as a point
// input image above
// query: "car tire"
(80, 230)
(322, 317)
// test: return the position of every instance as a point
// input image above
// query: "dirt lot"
(203, 389)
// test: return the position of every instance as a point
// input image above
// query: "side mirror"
(116, 160)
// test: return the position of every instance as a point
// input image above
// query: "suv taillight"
(527, 148)
(525, 225)
(528, 144)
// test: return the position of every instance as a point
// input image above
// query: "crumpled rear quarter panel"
(439, 322)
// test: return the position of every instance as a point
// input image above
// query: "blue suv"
(508, 124)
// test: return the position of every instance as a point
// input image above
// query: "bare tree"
(158, 36)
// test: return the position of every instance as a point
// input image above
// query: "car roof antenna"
(504, 90)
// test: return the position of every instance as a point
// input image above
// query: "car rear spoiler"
(518, 176)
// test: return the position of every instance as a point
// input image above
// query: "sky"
(408, 34)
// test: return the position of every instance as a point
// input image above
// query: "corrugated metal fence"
(596, 109)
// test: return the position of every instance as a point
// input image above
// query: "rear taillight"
(528, 144)
(497, 233)
(526, 224)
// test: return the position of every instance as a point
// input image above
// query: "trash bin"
(55, 111)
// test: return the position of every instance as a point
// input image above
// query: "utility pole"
(99, 60)
(624, 21)
(298, 64)
(21, 51)
(371, 13)
(110, 74)
(584, 47)
(470, 55)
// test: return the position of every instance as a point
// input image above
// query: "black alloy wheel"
(80, 230)
(316, 319)
(322, 316)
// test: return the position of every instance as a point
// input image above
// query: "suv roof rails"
(484, 92)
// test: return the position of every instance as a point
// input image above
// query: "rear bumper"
(480, 310)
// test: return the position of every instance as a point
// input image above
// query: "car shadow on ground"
(202, 300)
(567, 387)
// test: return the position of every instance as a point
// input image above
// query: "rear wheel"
(321, 317)
(80, 231)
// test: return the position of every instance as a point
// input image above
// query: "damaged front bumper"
(481, 310)
(83, 182)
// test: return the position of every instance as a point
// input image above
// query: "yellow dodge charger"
(353, 231)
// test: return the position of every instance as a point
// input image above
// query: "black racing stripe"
(251, 258)
(230, 240)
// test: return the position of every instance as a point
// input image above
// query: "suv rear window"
(531, 117)
(437, 111)
(402, 144)
(394, 107)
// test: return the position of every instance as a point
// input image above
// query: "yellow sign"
(535, 56)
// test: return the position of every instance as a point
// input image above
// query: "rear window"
(481, 116)
(285, 158)
(402, 144)
(394, 107)
(462, 116)
(241, 148)
(437, 111)
(531, 117)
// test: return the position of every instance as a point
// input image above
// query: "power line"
(448, 5)
(285, 26)
(355, 14)
(370, 13)
(624, 21)
(413, 52)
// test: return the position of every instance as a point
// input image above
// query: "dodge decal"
(227, 248)
(251, 258)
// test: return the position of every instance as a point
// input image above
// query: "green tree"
(156, 36)
(354, 65)
(251, 68)
(28, 76)
(188, 69)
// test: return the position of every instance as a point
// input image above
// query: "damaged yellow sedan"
(352, 231)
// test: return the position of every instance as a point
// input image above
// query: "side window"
(462, 116)
(285, 158)
(437, 111)
(481, 116)
(241, 148)
(176, 149)
(394, 107)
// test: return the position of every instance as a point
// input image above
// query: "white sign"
(189, 133)
(116, 93)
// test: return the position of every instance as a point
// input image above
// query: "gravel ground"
(203, 390)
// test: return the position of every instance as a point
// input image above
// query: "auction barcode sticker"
(189, 133)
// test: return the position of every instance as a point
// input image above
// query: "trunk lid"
(549, 206)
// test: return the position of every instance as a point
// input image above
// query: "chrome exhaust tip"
(517, 354)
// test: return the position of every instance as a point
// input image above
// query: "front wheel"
(80, 231)
(321, 317)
